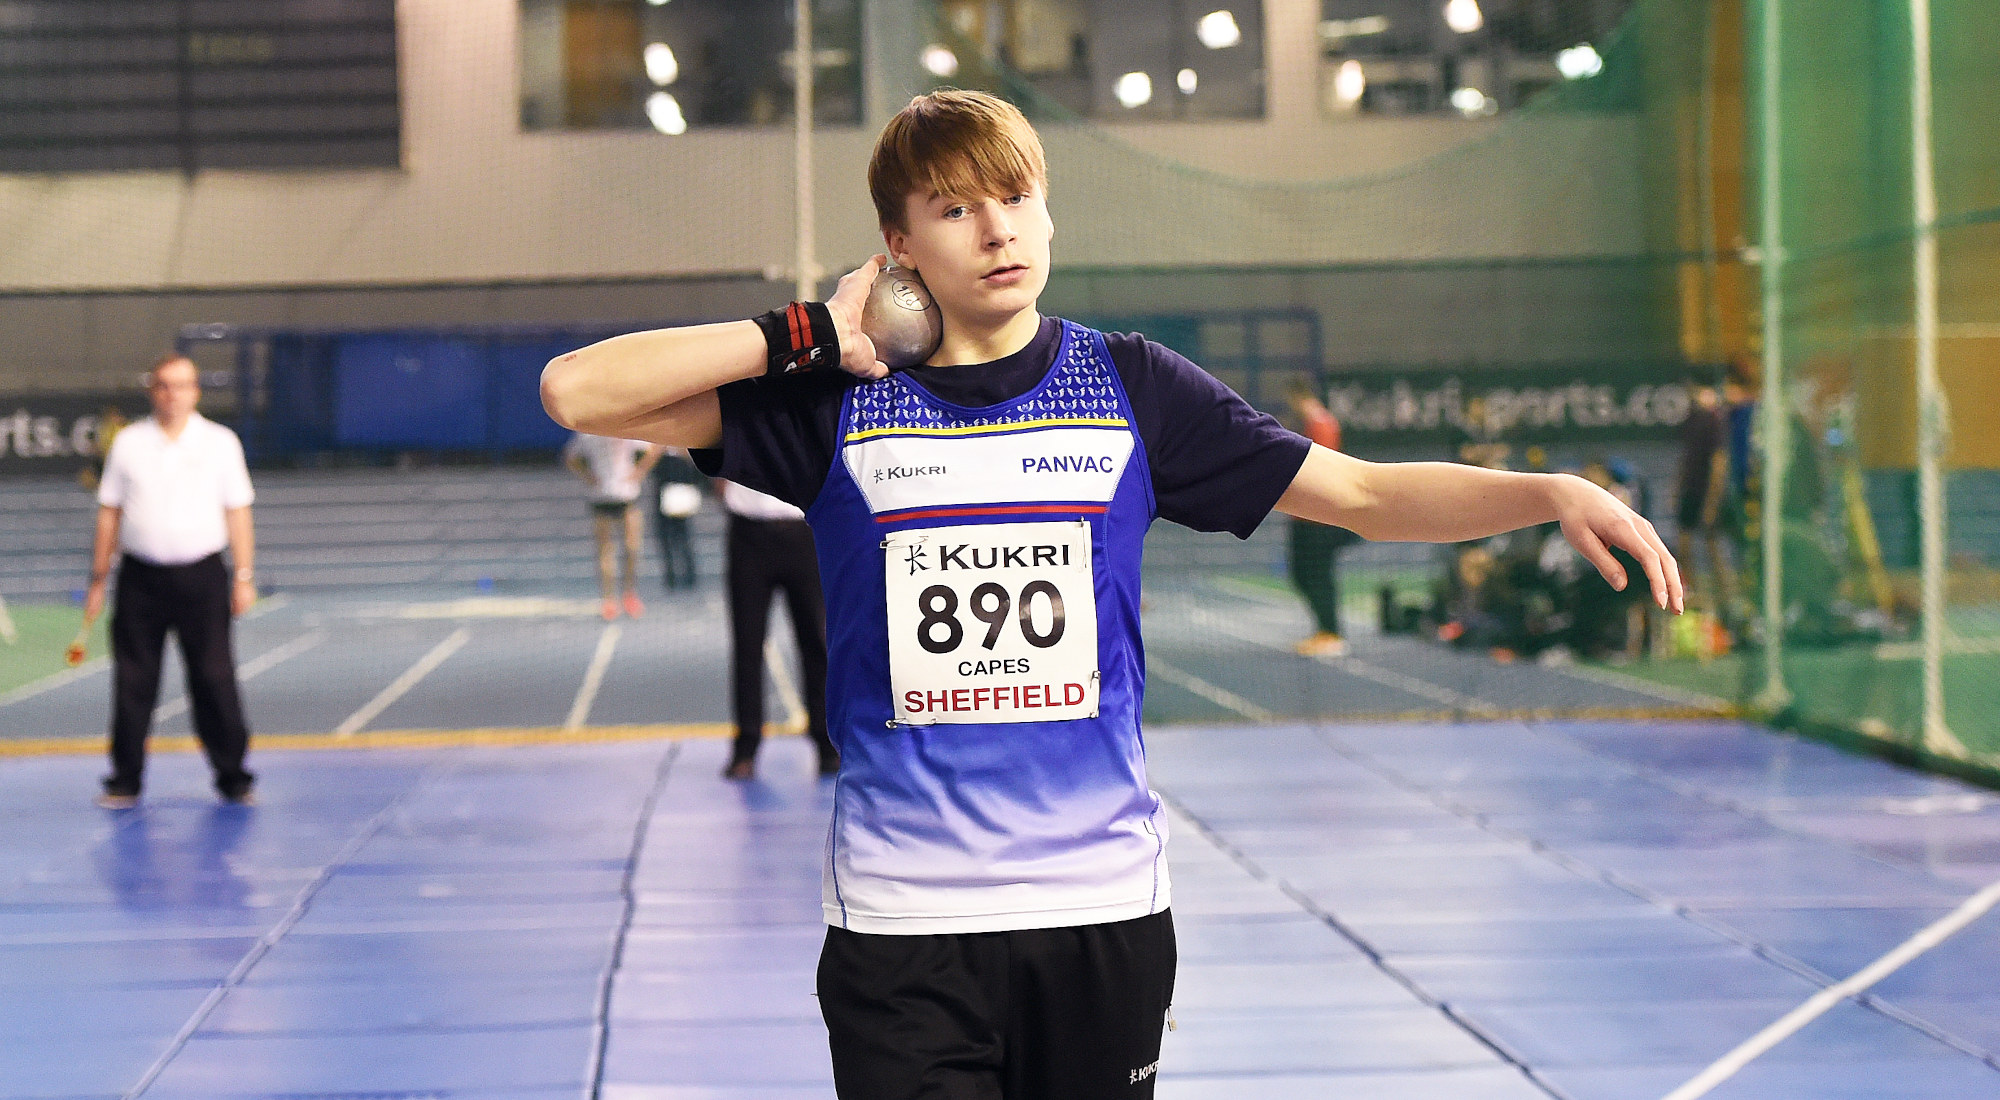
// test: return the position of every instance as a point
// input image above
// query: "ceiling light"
(1218, 30)
(664, 111)
(1349, 83)
(1463, 16)
(1471, 102)
(661, 67)
(940, 61)
(1133, 89)
(1335, 30)
(1187, 80)
(1578, 62)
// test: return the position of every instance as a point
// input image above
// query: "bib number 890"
(990, 604)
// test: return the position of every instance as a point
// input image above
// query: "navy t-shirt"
(1217, 463)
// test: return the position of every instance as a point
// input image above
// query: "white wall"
(478, 200)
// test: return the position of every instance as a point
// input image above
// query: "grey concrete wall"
(486, 223)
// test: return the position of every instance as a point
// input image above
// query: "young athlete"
(995, 878)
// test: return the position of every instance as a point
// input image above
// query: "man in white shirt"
(771, 548)
(615, 469)
(175, 493)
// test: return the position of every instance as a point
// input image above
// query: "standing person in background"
(175, 492)
(1703, 484)
(615, 469)
(679, 492)
(1315, 547)
(771, 547)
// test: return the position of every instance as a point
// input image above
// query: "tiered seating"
(317, 530)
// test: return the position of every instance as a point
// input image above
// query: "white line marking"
(1423, 689)
(781, 679)
(249, 670)
(1954, 646)
(1470, 704)
(1641, 686)
(1255, 593)
(1222, 697)
(1726, 1066)
(411, 676)
(7, 632)
(593, 678)
(55, 680)
(1434, 692)
(265, 606)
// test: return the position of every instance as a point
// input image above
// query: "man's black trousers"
(193, 601)
(766, 555)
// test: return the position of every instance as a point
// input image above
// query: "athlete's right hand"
(857, 351)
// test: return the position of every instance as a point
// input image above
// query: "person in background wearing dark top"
(770, 547)
(677, 489)
(1315, 547)
(995, 885)
(175, 493)
(1702, 484)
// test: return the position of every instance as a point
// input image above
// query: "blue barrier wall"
(304, 394)
(310, 394)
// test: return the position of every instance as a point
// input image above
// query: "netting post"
(805, 272)
(1931, 428)
(1776, 426)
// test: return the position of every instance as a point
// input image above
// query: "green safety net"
(1841, 174)
(1671, 131)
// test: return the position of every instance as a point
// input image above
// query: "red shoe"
(633, 608)
(610, 610)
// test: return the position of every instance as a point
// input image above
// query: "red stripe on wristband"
(801, 325)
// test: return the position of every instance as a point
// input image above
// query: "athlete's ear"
(898, 242)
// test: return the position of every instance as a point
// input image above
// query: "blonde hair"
(953, 142)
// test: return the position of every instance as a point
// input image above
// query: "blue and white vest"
(985, 676)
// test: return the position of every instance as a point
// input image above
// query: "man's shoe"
(609, 610)
(633, 608)
(740, 769)
(111, 801)
(1322, 645)
(245, 797)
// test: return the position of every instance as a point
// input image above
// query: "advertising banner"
(1581, 403)
(61, 433)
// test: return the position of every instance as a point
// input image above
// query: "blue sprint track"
(1496, 911)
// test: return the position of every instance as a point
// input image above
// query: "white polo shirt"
(744, 501)
(173, 492)
(613, 465)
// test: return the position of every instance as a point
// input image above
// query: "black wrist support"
(799, 337)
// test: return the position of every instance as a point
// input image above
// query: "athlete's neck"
(968, 343)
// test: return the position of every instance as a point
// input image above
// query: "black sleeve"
(778, 435)
(1217, 463)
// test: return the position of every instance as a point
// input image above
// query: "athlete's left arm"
(1449, 502)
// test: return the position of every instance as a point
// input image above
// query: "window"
(1113, 60)
(224, 83)
(1464, 57)
(674, 66)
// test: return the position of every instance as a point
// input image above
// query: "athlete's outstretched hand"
(1594, 521)
(857, 351)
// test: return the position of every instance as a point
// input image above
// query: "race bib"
(992, 623)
